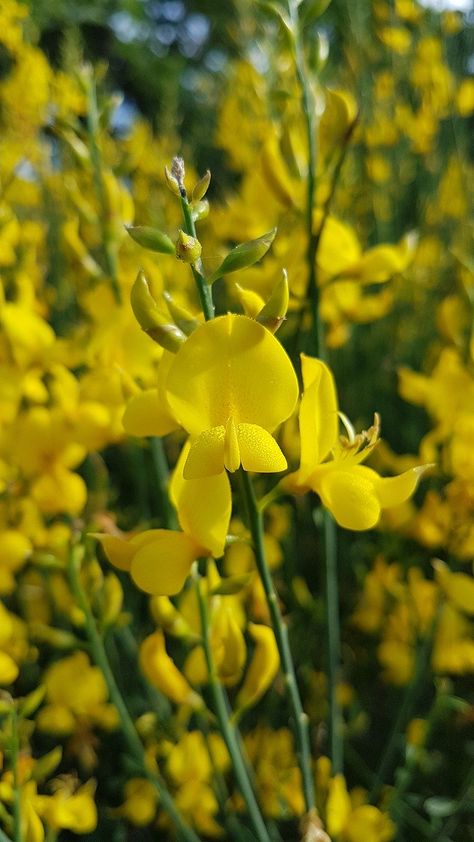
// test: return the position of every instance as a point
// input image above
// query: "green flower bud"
(172, 182)
(151, 319)
(199, 210)
(274, 312)
(151, 238)
(201, 187)
(188, 248)
(180, 315)
(244, 255)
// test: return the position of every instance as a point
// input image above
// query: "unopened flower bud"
(151, 319)
(182, 317)
(188, 248)
(274, 312)
(199, 210)
(200, 189)
(172, 183)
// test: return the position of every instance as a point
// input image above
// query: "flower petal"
(259, 451)
(147, 415)
(350, 496)
(206, 456)
(204, 506)
(318, 417)
(231, 366)
(162, 566)
(392, 491)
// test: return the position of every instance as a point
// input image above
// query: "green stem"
(317, 339)
(162, 478)
(203, 288)
(134, 743)
(227, 728)
(333, 643)
(299, 717)
(309, 112)
(393, 746)
(4, 837)
(110, 252)
(15, 750)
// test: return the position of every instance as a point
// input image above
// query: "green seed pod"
(151, 238)
(188, 248)
(244, 255)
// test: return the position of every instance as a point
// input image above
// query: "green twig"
(309, 112)
(299, 717)
(93, 125)
(132, 739)
(226, 727)
(162, 478)
(204, 289)
(333, 643)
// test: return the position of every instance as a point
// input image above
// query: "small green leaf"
(151, 238)
(244, 255)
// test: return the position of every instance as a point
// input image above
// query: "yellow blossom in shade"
(262, 668)
(162, 672)
(139, 806)
(230, 385)
(354, 494)
(75, 691)
(75, 811)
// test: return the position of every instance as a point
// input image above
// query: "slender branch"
(309, 112)
(204, 289)
(162, 477)
(299, 717)
(333, 643)
(109, 250)
(227, 728)
(134, 743)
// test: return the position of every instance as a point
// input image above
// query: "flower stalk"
(134, 743)
(226, 725)
(299, 717)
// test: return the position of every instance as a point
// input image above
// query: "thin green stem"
(318, 345)
(134, 743)
(109, 249)
(15, 750)
(162, 478)
(333, 643)
(309, 112)
(227, 728)
(204, 289)
(299, 717)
